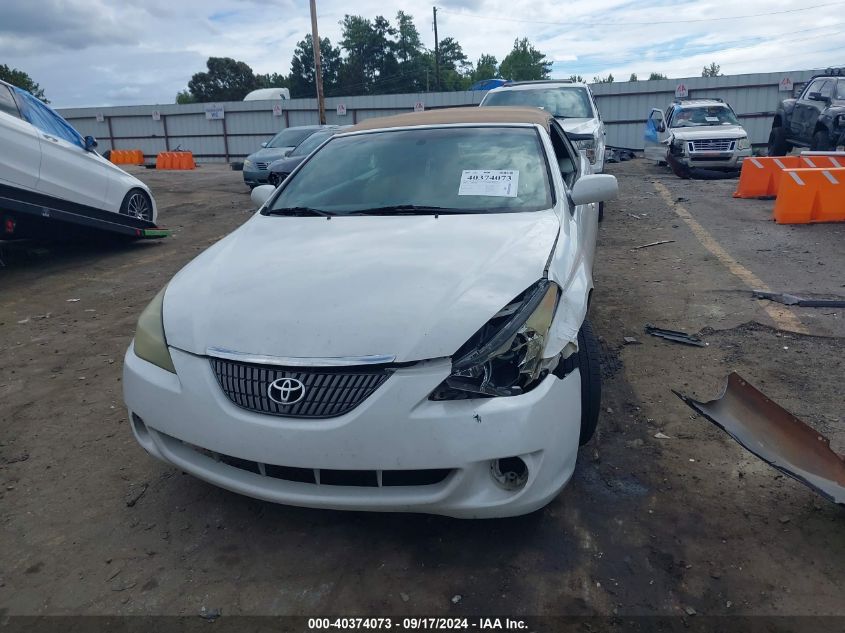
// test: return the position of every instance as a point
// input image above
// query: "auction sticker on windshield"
(501, 183)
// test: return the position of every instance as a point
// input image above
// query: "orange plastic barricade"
(810, 195)
(760, 176)
(127, 157)
(175, 160)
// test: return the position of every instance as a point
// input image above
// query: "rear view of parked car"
(401, 327)
(256, 166)
(46, 165)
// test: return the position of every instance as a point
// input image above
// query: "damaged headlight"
(150, 343)
(589, 147)
(505, 357)
(743, 143)
(678, 146)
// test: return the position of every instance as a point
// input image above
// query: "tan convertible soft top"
(492, 114)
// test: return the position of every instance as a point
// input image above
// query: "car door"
(20, 150)
(802, 114)
(655, 134)
(68, 171)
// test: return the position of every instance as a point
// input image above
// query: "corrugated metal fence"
(245, 124)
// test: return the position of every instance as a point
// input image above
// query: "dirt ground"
(90, 524)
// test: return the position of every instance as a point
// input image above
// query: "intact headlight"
(743, 143)
(505, 357)
(247, 164)
(150, 343)
(589, 147)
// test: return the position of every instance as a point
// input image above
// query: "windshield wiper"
(299, 212)
(411, 209)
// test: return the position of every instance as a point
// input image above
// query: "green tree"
(22, 80)
(185, 96)
(455, 67)
(410, 54)
(301, 80)
(225, 80)
(655, 76)
(633, 77)
(713, 70)
(603, 80)
(578, 79)
(357, 72)
(525, 63)
(487, 67)
(272, 80)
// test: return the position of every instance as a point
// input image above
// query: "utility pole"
(318, 66)
(436, 54)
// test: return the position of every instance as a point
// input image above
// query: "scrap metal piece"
(657, 243)
(792, 300)
(674, 335)
(775, 436)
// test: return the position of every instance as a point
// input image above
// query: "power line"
(627, 23)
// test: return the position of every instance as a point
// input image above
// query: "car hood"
(269, 154)
(579, 126)
(413, 287)
(715, 131)
(286, 165)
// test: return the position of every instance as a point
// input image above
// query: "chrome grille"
(713, 145)
(328, 392)
(262, 166)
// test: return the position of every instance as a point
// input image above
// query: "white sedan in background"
(46, 164)
(401, 326)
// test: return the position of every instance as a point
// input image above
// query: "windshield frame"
(327, 133)
(690, 108)
(554, 194)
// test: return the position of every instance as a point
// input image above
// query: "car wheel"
(777, 142)
(273, 179)
(821, 142)
(137, 204)
(589, 364)
(601, 211)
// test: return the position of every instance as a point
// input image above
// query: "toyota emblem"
(286, 391)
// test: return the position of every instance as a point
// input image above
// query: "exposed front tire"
(601, 211)
(589, 364)
(137, 204)
(273, 179)
(778, 146)
(821, 141)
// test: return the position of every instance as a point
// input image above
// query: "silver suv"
(694, 133)
(572, 104)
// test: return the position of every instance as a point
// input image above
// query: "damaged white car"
(401, 326)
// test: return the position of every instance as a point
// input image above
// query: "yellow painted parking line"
(783, 316)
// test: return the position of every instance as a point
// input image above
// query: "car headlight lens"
(840, 120)
(150, 343)
(505, 357)
(743, 143)
(247, 164)
(589, 147)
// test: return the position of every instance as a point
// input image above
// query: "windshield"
(840, 89)
(311, 143)
(573, 103)
(291, 137)
(429, 170)
(704, 116)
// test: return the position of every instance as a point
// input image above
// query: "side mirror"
(816, 96)
(264, 144)
(90, 143)
(594, 188)
(661, 126)
(261, 193)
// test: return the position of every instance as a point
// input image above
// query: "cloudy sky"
(116, 52)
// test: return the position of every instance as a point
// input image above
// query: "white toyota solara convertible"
(400, 327)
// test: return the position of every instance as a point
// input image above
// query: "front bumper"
(255, 176)
(396, 428)
(714, 160)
